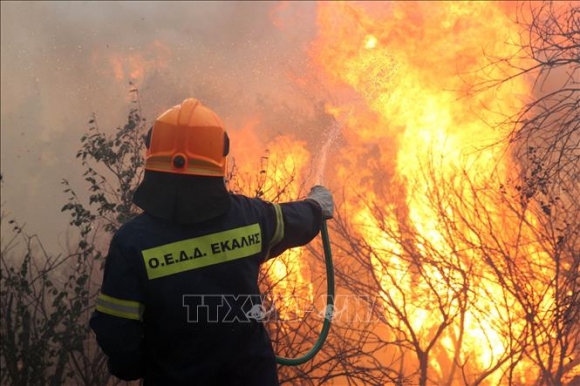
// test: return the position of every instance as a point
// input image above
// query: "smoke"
(62, 61)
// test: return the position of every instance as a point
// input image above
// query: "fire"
(415, 133)
(281, 177)
(418, 157)
(370, 42)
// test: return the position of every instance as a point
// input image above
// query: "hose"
(329, 305)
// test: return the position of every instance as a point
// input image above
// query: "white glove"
(323, 197)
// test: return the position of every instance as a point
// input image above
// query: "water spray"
(329, 311)
(332, 136)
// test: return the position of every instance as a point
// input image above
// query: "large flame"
(414, 135)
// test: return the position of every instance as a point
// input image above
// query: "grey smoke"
(55, 73)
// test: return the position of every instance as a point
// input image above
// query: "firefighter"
(180, 280)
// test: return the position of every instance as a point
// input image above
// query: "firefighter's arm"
(117, 320)
(297, 223)
(122, 341)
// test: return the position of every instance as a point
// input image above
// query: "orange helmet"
(188, 139)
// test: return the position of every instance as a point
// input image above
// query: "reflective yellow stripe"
(128, 309)
(202, 251)
(279, 232)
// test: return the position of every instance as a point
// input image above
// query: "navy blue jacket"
(176, 302)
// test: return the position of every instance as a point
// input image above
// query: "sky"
(63, 61)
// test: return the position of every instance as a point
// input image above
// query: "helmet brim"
(184, 199)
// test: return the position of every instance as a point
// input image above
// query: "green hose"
(329, 305)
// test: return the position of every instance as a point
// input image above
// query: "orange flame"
(282, 170)
(409, 67)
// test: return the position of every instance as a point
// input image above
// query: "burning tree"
(546, 140)
(471, 232)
